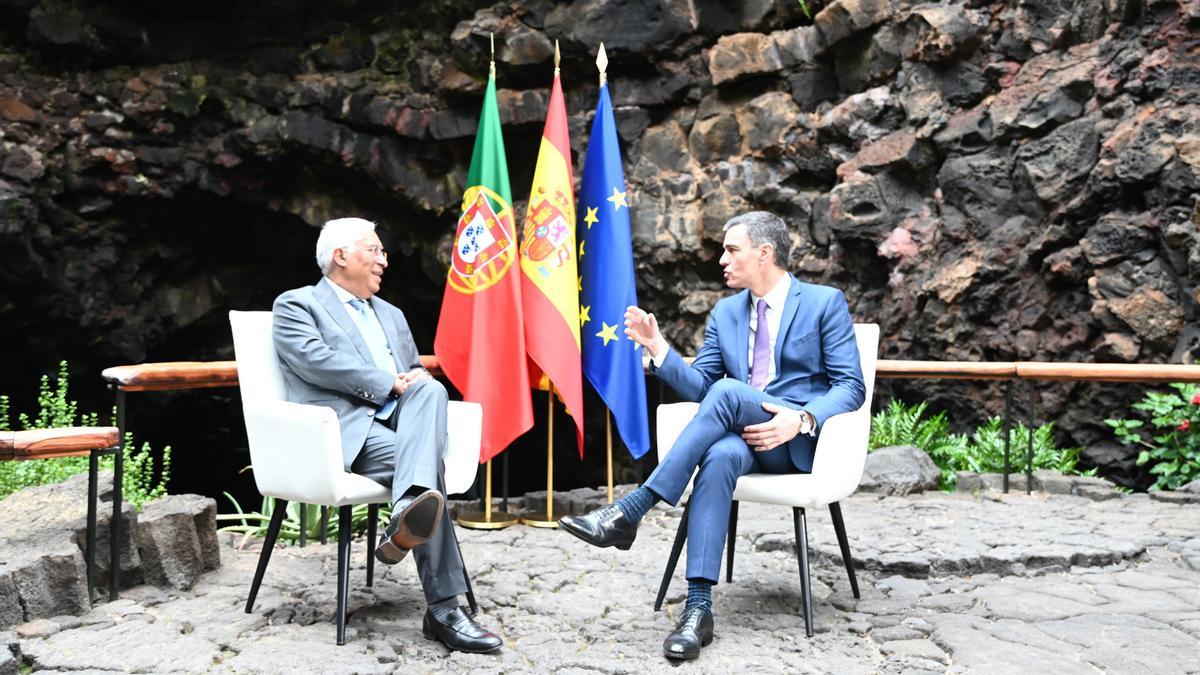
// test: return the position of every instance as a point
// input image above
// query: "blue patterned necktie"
(372, 333)
(761, 364)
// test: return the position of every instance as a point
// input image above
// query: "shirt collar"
(344, 296)
(776, 296)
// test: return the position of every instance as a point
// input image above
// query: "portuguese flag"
(549, 269)
(480, 339)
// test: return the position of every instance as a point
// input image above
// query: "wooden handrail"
(203, 374)
(56, 442)
(945, 370)
(179, 375)
(1107, 372)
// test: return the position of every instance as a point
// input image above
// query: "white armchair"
(296, 452)
(837, 469)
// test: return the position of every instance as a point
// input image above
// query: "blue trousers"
(712, 443)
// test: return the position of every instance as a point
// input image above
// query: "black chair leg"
(303, 525)
(264, 556)
(372, 523)
(324, 525)
(733, 513)
(835, 512)
(673, 559)
(802, 556)
(343, 571)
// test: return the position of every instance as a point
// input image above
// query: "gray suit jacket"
(326, 361)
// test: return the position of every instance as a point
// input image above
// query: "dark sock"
(699, 594)
(637, 503)
(441, 608)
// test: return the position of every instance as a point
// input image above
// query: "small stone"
(1053, 482)
(859, 627)
(38, 628)
(1175, 497)
(1191, 488)
(925, 649)
(899, 470)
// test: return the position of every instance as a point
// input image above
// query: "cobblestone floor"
(950, 583)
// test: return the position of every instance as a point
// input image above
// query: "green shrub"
(139, 482)
(987, 449)
(1174, 453)
(981, 452)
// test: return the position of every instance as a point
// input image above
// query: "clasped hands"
(406, 380)
(642, 328)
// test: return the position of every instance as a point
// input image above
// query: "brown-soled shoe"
(414, 522)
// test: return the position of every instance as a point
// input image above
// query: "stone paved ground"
(952, 583)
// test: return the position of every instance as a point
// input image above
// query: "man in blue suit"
(778, 359)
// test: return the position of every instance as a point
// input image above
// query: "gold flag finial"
(556, 57)
(492, 64)
(602, 64)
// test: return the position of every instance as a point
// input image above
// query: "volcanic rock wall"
(988, 181)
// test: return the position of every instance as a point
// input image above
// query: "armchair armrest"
(295, 449)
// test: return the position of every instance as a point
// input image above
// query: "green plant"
(1174, 453)
(804, 7)
(254, 524)
(140, 482)
(987, 449)
(981, 452)
(900, 424)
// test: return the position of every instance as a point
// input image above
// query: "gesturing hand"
(776, 431)
(642, 328)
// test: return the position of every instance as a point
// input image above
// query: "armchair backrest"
(259, 373)
(842, 444)
(295, 449)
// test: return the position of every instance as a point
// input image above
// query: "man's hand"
(406, 380)
(780, 429)
(642, 328)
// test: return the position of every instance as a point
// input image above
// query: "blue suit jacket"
(817, 365)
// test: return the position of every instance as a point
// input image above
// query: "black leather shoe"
(694, 630)
(604, 527)
(414, 521)
(459, 632)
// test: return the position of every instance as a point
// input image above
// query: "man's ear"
(339, 257)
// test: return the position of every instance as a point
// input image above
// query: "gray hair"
(339, 233)
(765, 228)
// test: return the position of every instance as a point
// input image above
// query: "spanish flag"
(549, 270)
(480, 338)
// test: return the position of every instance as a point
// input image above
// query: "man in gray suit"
(344, 348)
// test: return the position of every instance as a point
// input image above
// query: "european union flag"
(611, 361)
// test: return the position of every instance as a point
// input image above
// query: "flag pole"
(608, 450)
(548, 520)
(487, 519)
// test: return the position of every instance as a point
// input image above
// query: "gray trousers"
(408, 452)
